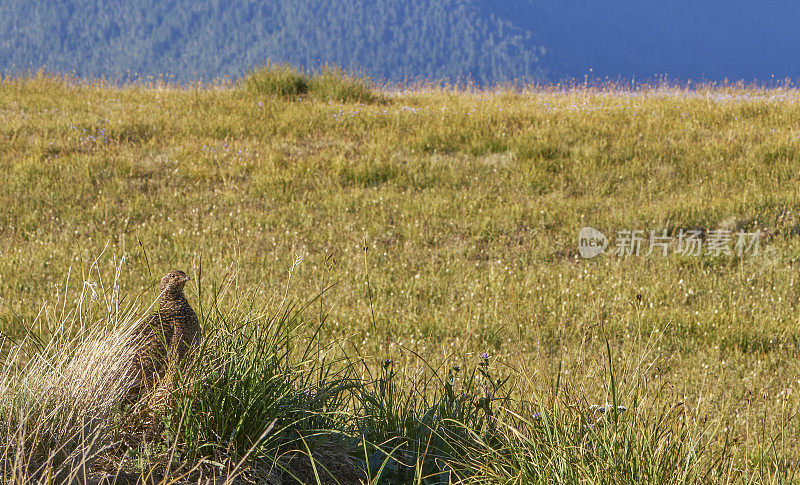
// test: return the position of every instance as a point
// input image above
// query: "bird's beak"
(187, 279)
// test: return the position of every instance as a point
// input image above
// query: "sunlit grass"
(469, 204)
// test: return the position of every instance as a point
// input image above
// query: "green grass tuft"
(277, 80)
(334, 84)
(329, 84)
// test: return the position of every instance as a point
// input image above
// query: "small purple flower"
(484, 356)
(537, 416)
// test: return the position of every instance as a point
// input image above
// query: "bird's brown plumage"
(167, 334)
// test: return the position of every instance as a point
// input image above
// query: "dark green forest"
(486, 41)
(393, 40)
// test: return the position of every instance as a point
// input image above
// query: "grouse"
(166, 335)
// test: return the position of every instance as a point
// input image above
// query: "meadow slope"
(469, 206)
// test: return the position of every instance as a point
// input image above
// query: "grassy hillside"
(444, 225)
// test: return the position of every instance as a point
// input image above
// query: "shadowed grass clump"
(277, 80)
(259, 386)
(334, 84)
(329, 84)
(466, 428)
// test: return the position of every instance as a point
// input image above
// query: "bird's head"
(174, 281)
